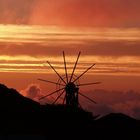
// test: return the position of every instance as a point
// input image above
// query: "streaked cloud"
(104, 65)
(43, 39)
(26, 49)
(13, 33)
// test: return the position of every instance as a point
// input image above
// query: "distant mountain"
(20, 115)
(116, 117)
(117, 126)
(118, 121)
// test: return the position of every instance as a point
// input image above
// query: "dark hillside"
(20, 115)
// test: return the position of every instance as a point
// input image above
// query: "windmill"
(68, 85)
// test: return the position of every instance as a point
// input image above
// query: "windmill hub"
(71, 88)
(71, 94)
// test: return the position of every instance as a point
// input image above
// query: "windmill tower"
(68, 85)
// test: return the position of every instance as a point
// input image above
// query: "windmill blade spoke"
(75, 67)
(83, 73)
(56, 72)
(51, 93)
(86, 84)
(87, 98)
(65, 65)
(50, 82)
(58, 97)
(64, 99)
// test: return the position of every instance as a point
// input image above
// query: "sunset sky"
(107, 32)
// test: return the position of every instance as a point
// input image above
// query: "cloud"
(114, 101)
(87, 13)
(107, 101)
(71, 12)
(107, 48)
(40, 40)
(15, 11)
(110, 57)
(34, 92)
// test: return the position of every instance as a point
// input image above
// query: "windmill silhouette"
(69, 85)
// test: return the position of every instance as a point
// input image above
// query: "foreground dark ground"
(23, 118)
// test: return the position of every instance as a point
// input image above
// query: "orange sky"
(116, 13)
(111, 13)
(24, 49)
(106, 31)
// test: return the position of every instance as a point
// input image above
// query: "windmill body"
(68, 86)
(72, 94)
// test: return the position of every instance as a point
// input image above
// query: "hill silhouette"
(21, 115)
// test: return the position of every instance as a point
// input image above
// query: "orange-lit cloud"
(26, 48)
(46, 40)
(122, 13)
(87, 13)
(15, 11)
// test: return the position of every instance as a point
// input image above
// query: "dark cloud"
(114, 101)
(103, 48)
(136, 111)
(126, 102)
